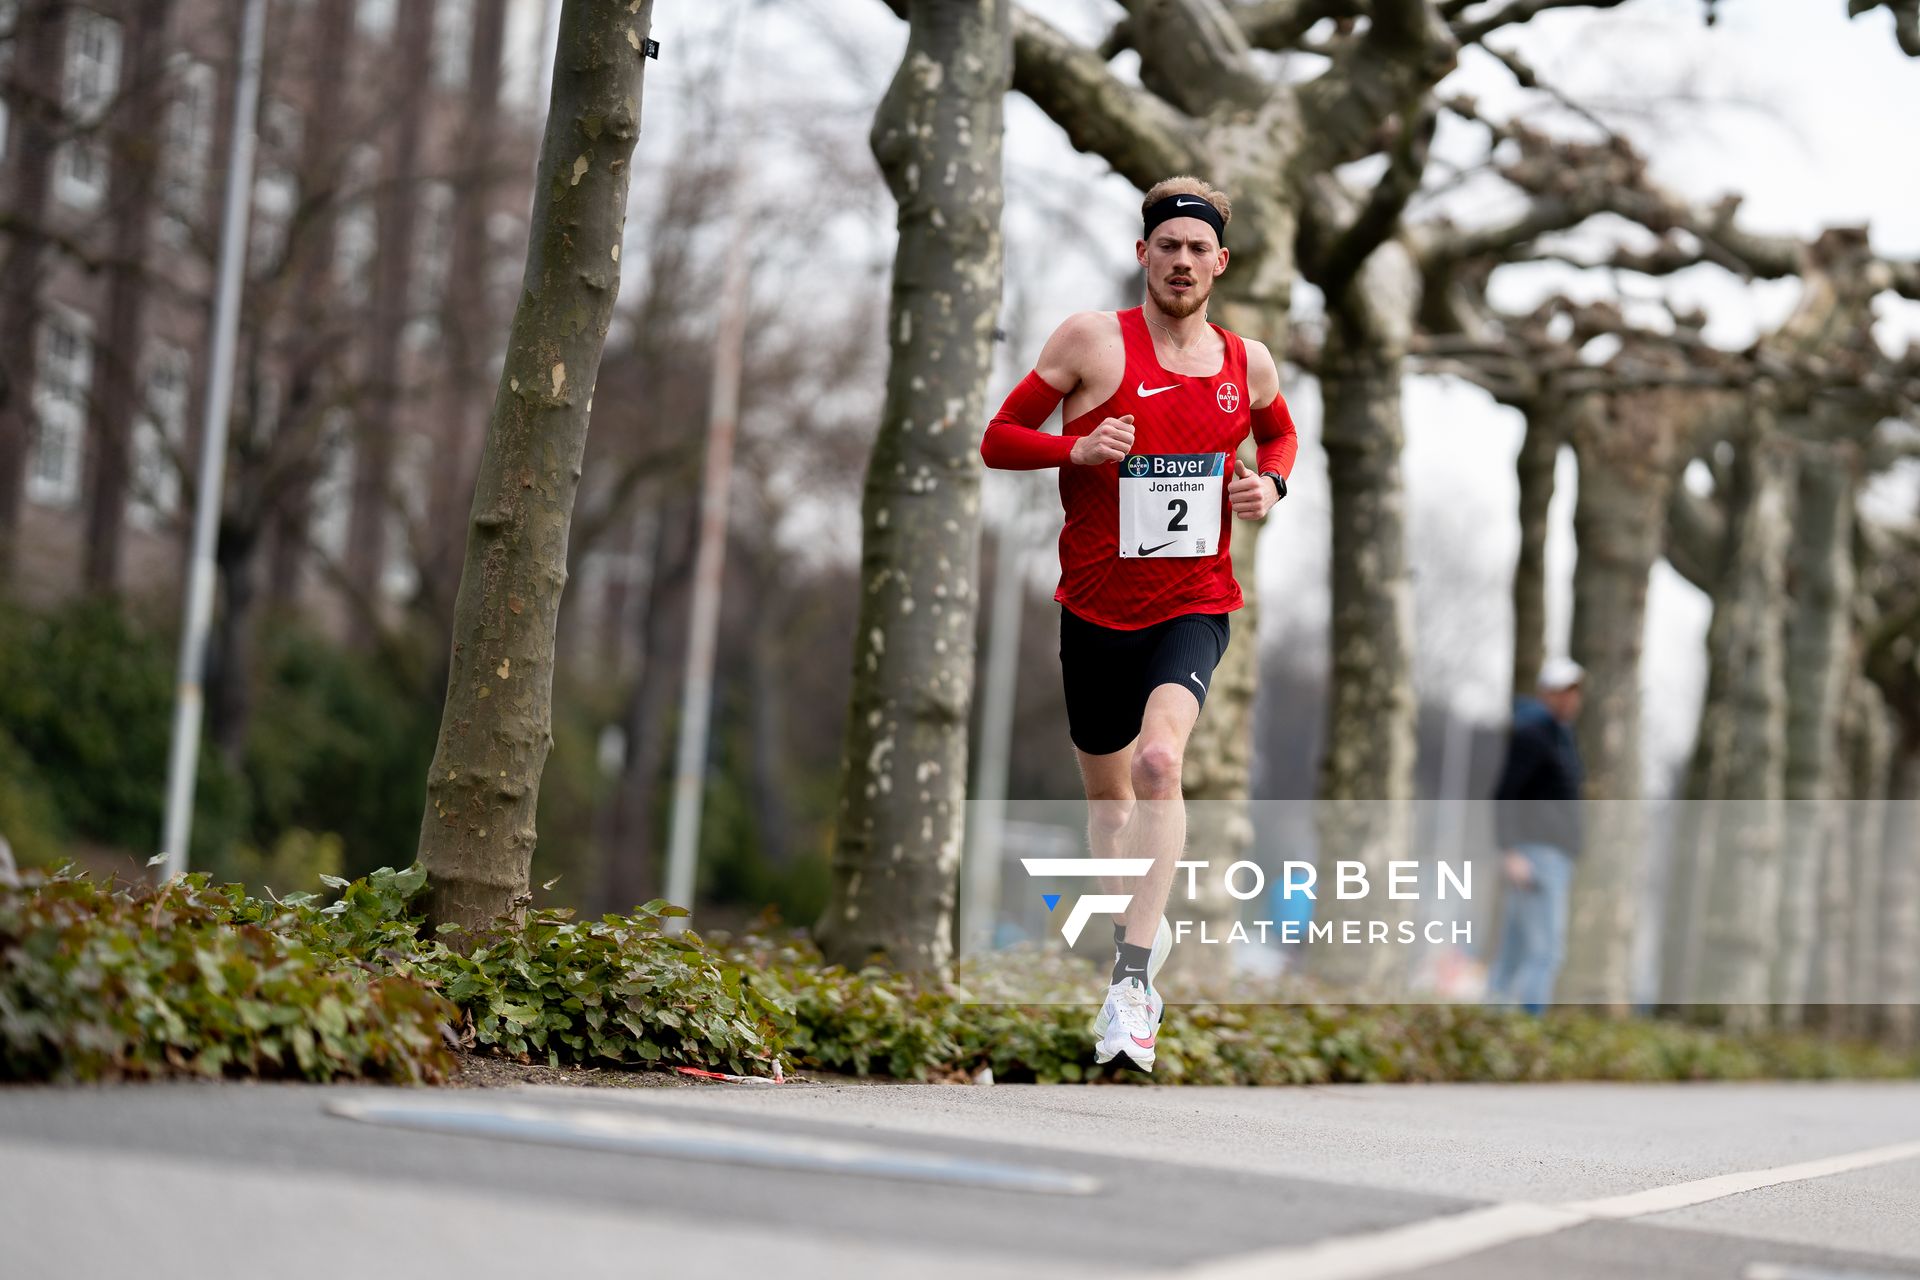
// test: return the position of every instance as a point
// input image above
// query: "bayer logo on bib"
(1170, 504)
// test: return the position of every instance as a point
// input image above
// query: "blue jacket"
(1537, 800)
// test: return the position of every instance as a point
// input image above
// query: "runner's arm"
(1275, 442)
(1015, 440)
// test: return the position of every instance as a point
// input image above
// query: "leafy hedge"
(98, 980)
(103, 980)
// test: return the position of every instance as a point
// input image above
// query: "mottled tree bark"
(1897, 980)
(1539, 455)
(1818, 666)
(937, 136)
(1844, 968)
(1741, 761)
(1366, 773)
(136, 143)
(33, 94)
(477, 835)
(1626, 446)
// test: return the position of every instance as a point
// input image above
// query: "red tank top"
(1172, 413)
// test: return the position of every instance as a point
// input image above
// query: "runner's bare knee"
(1156, 769)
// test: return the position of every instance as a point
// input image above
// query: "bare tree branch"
(1194, 55)
(1404, 53)
(1281, 24)
(1906, 20)
(1139, 134)
(1348, 247)
(1518, 11)
(1696, 536)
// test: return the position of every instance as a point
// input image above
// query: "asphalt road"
(1747, 1181)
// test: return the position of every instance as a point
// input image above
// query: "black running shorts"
(1109, 673)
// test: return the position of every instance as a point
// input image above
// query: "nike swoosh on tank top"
(1199, 415)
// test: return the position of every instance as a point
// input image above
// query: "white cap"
(1560, 673)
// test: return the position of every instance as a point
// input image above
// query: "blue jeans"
(1533, 932)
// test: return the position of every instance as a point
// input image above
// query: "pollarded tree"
(937, 136)
(477, 835)
(1206, 105)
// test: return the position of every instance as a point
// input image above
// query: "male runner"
(1157, 401)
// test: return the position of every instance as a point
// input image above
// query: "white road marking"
(1458, 1235)
(1682, 1194)
(676, 1138)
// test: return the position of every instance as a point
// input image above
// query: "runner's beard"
(1179, 306)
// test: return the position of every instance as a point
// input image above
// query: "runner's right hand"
(1111, 441)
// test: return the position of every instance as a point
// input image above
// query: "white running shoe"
(1132, 1016)
(1156, 960)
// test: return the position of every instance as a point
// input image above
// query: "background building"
(396, 145)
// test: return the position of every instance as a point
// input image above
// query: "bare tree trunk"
(1818, 665)
(1625, 447)
(477, 835)
(1216, 776)
(1743, 733)
(937, 136)
(136, 162)
(469, 322)
(1897, 996)
(768, 718)
(1847, 955)
(1366, 774)
(32, 95)
(629, 856)
(230, 654)
(370, 527)
(320, 167)
(1539, 455)
(1215, 783)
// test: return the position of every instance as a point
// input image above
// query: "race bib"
(1170, 504)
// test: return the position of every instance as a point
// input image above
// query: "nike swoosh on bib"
(1146, 550)
(1140, 389)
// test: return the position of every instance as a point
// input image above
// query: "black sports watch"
(1279, 483)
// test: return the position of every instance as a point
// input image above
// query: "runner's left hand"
(1251, 495)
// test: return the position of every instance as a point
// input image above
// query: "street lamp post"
(188, 706)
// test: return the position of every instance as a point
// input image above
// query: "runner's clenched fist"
(1111, 441)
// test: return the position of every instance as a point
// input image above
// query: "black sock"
(1119, 933)
(1131, 962)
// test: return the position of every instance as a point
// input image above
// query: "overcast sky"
(1810, 115)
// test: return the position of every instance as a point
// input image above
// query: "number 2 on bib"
(1170, 504)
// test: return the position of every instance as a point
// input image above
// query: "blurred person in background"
(1537, 824)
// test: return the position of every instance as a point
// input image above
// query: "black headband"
(1182, 205)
